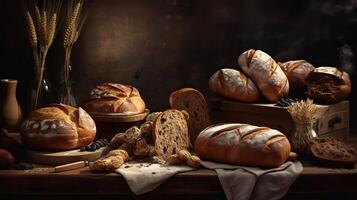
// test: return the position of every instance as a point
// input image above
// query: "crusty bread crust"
(115, 98)
(265, 73)
(58, 127)
(233, 84)
(192, 101)
(243, 144)
(297, 71)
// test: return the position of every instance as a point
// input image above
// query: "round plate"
(63, 157)
(118, 117)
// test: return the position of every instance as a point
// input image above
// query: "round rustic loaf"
(58, 127)
(328, 85)
(243, 144)
(297, 71)
(233, 84)
(265, 73)
(115, 98)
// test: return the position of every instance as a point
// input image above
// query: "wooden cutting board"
(63, 157)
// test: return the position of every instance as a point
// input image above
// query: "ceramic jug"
(10, 111)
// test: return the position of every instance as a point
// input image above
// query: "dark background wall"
(162, 45)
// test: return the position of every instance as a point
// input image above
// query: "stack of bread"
(260, 76)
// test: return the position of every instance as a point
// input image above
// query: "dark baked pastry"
(333, 152)
(328, 85)
(115, 98)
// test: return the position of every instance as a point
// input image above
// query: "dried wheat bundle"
(41, 24)
(303, 110)
(73, 24)
(304, 114)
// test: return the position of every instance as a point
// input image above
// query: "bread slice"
(170, 133)
(195, 104)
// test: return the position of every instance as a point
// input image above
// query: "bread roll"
(170, 134)
(115, 98)
(192, 101)
(265, 73)
(233, 84)
(297, 71)
(328, 85)
(58, 127)
(243, 144)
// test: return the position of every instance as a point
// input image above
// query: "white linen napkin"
(243, 183)
(144, 177)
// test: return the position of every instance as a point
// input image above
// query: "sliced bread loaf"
(195, 104)
(170, 133)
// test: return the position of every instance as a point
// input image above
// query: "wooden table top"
(314, 181)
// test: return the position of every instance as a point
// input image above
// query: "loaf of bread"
(170, 133)
(332, 152)
(233, 84)
(297, 71)
(243, 144)
(58, 127)
(265, 73)
(115, 98)
(328, 85)
(192, 101)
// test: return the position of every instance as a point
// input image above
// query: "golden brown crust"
(115, 98)
(58, 127)
(267, 148)
(265, 73)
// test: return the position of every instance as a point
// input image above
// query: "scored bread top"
(55, 111)
(255, 136)
(265, 73)
(243, 144)
(115, 98)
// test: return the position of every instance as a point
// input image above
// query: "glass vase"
(303, 133)
(45, 95)
(66, 92)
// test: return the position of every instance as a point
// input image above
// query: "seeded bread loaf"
(233, 84)
(328, 85)
(58, 127)
(192, 101)
(115, 98)
(170, 133)
(297, 71)
(265, 73)
(243, 144)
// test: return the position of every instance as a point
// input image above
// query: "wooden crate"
(333, 119)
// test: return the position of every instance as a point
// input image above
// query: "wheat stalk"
(51, 30)
(31, 29)
(38, 18)
(42, 31)
(70, 30)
